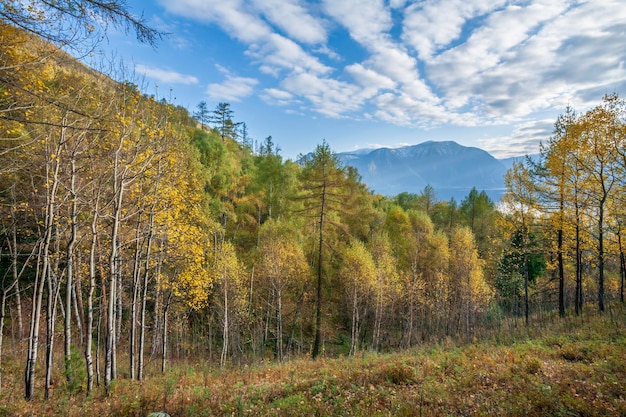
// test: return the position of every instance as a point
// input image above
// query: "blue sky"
(361, 74)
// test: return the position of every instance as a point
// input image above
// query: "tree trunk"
(69, 279)
(144, 298)
(15, 270)
(561, 273)
(526, 303)
(318, 304)
(279, 324)
(578, 304)
(133, 305)
(601, 256)
(90, 291)
(44, 274)
(378, 318)
(355, 322)
(622, 267)
(166, 308)
(3, 303)
(33, 338)
(53, 296)
(110, 354)
(225, 330)
(293, 324)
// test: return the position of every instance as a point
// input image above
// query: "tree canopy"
(126, 223)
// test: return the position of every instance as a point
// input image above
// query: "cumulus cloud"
(428, 63)
(243, 20)
(367, 22)
(278, 97)
(165, 75)
(430, 26)
(293, 19)
(527, 59)
(327, 96)
(524, 139)
(233, 88)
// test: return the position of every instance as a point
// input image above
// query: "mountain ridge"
(452, 169)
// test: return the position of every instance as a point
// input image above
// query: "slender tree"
(324, 183)
(358, 275)
(597, 129)
(222, 120)
(202, 114)
(520, 199)
(556, 173)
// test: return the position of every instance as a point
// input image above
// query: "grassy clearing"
(573, 367)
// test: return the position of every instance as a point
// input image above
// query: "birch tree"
(521, 200)
(358, 275)
(282, 263)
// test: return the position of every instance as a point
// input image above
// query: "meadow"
(560, 367)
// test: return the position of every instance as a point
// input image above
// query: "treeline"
(569, 206)
(133, 231)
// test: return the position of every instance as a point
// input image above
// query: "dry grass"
(573, 367)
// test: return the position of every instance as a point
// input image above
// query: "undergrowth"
(571, 367)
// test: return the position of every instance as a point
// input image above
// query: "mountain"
(452, 169)
(508, 162)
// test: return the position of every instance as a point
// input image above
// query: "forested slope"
(132, 232)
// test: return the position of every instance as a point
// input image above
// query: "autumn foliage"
(136, 237)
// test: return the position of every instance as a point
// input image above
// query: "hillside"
(147, 251)
(452, 169)
(573, 367)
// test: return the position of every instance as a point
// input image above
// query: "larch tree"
(89, 20)
(477, 211)
(202, 114)
(222, 120)
(422, 238)
(556, 172)
(435, 284)
(324, 194)
(597, 129)
(618, 108)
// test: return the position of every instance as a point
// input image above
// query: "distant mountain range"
(452, 169)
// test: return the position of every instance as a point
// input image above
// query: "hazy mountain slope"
(508, 162)
(452, 169)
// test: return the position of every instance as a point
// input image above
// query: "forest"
(138, 233)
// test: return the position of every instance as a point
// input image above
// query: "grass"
(572, 367)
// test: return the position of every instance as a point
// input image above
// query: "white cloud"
(368, 22)
(378, 146)
(456, 62)
(233, 15)
(433, 25)
(240, 19)
(291, 17)
(233, 88)
(523, 140)
(278, 97)
(529, 58)
(370, 79)
(165, 75)
(277, 53)
(327, 96)
(397, 4)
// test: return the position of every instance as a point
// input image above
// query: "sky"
(383, 73)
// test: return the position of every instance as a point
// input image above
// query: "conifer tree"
(324, 193)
